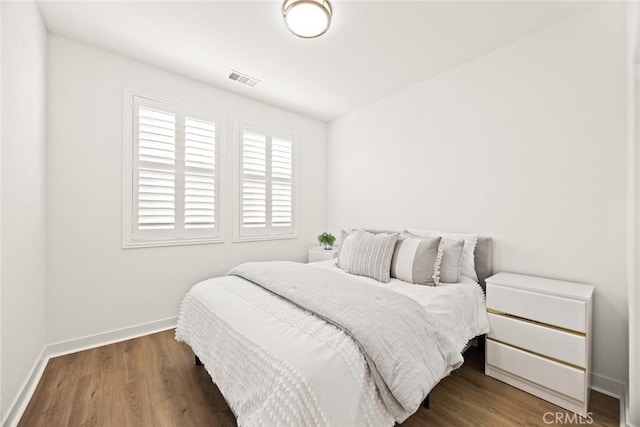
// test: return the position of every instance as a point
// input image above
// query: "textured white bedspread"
(277, 364)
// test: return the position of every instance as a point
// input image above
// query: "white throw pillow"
(345, 249)
(468, 267)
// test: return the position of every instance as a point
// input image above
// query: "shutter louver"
(200, 174)
(156, 169)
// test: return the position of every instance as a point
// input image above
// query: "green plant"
(327, 239)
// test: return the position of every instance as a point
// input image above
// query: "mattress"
(278, 364)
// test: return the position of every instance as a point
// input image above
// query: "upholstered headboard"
(484, 259)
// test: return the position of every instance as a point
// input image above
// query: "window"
(266, 171)
(171, 194)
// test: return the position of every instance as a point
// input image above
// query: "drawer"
(564, 346)
(550, 309)
(552, 375)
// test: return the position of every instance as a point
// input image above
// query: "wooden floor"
(152, 381)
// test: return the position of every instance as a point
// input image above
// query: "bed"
(279, 362)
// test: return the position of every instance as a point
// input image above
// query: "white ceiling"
(372, 49)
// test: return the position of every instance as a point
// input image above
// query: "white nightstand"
(319, 253)
(540, 337)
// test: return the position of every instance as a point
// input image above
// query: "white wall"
(525, 144)
(93, 284)
(24, 42)
(1, 404)
(633, 191)
(633, 403)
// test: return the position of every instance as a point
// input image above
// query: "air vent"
(243, 78)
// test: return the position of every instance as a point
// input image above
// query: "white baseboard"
(608, 386)
(613, 388)
(624, 408)
(110, 337)
(20, 402)
(72, 346)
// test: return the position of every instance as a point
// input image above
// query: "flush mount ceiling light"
(307, 18)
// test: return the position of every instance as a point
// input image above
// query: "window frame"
(270, 132)
(131, 236)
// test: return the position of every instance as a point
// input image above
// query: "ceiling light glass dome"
(307, 18)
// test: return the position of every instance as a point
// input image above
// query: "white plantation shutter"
(266, 201)
(254, 181)
(200, 166)
(281, 184)
(174, 173)
(155, 156)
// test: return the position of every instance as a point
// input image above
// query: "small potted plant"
(327, 239)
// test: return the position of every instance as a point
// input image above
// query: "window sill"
(245, 239)
(161, 243)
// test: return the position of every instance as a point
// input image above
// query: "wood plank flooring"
(152, 381)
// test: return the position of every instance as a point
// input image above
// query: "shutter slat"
(152, 189)
(200, 162)
(160, 182)
(198, 199)
(153, 134)
(201, 145)
(152, 197)
(208, 152)
(199, 137)
(200, 207)
(201, 124)
(148, 113)
(205, 178)
(159, 204)
(197, 185)
(164, 127)
(198, 192)
(156, 219)
(168, 226)
(157, 213)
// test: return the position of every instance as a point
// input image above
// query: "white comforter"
(277, 364)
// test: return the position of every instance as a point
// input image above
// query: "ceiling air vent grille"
(243, 78)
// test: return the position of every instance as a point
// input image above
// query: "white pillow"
(468, 267)
(345, 249)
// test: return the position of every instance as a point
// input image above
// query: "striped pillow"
(371, 255)
(449, 262)
(414, 260)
